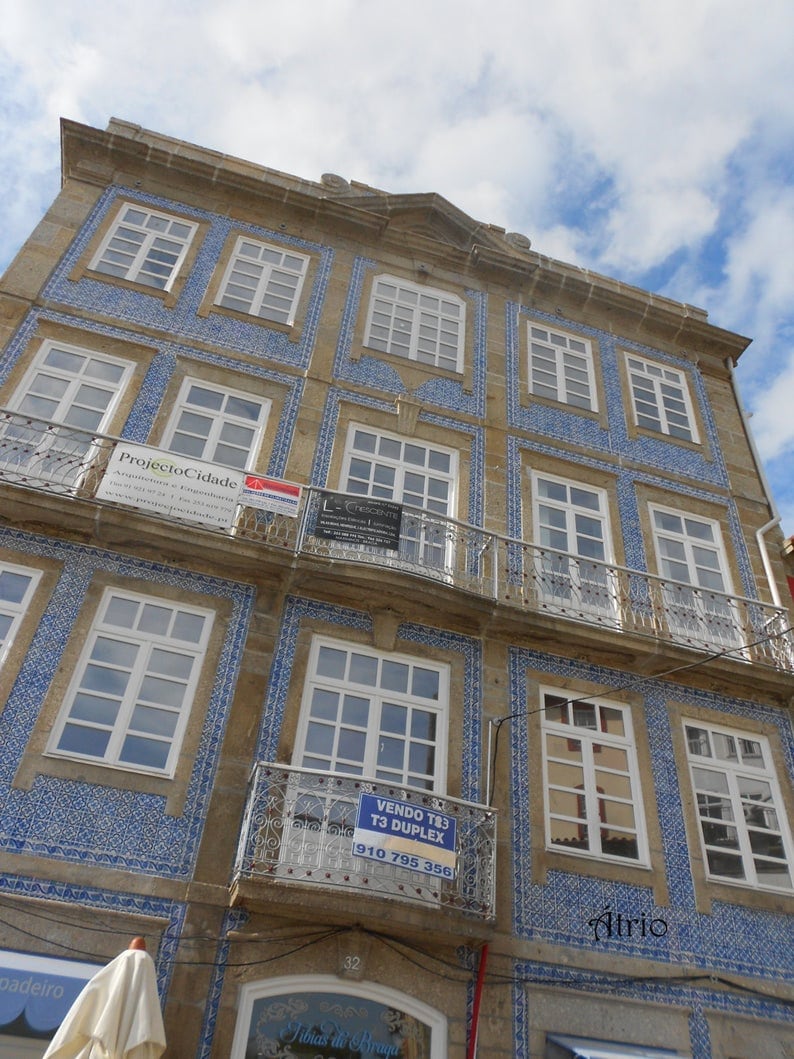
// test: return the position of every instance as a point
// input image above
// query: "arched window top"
(353, 1018)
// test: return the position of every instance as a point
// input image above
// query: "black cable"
(615, 982)
(590, 980)
(625, 686)
(322, 936)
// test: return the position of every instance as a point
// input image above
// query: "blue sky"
(649, 141)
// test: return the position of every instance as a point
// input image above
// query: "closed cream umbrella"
(117, 1015)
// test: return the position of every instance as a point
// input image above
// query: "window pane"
(355, 710)
(149, 753)
(394, 676)
(76, 739)
(425, 683)
(152, 721)
(325, 704)
(188, 627)
(155, 619)
(165, 692)
(320, 739)
(423, 724)
(115, 652)
(95, 709)
(13, 586)
(331, 663)
(394, 718)
(364, 669)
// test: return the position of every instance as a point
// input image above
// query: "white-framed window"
(263, 280)
(660, 398)
(375, 714)
(417, 322)
(343, 1017)
(591, 779)
(411, 472)
(67, 394)
(561, 367)
(743, 825)
(131, 694)
(17, 585)
(145, 246)
(216, 424)
(696, 590)
(571, 529)
(365, 713)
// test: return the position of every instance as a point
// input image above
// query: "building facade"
(394, 632)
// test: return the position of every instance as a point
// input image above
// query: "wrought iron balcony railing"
(299, 827)
(615, 597)
(54, 458)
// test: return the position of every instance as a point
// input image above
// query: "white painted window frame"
(419, 545)
(135, 269)
(377, 696)
(266, 280)
(41, 443)
(733, 772)
(220, 419)
(121, 726)
(689, 542)
(606, 601)
(407, 292)
(659, 374)
(16, 610)
(74, 381)
(724, 620)
(565, 384)
(401, 466)
(588, 738)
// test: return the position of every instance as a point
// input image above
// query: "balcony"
(50, 458)
(299, 828)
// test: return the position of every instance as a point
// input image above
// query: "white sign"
(171, 485)
(271, 494)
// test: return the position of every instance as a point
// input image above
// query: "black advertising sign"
(357, 520)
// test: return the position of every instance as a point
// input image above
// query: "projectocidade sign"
(171, 485)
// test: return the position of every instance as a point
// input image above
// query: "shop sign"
(408, 835)
(359, 520)
(334, 1026)
(271, 494)
(37, 991)
(171, 485)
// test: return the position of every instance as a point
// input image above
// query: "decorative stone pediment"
(429, 216)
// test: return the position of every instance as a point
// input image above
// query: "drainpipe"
(775, 520)
(471, 1051)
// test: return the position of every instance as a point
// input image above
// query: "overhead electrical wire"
(602, 981)
(404, 949)
(627, 685)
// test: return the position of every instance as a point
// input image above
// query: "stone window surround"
(169, 297)
(706, 889)
(544, 860)
(209, 300)
(412, 372)
(35, 760)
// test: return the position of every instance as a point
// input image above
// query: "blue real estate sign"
(410, 836)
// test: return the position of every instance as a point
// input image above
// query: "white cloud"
(620, 137)
(773, 414)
